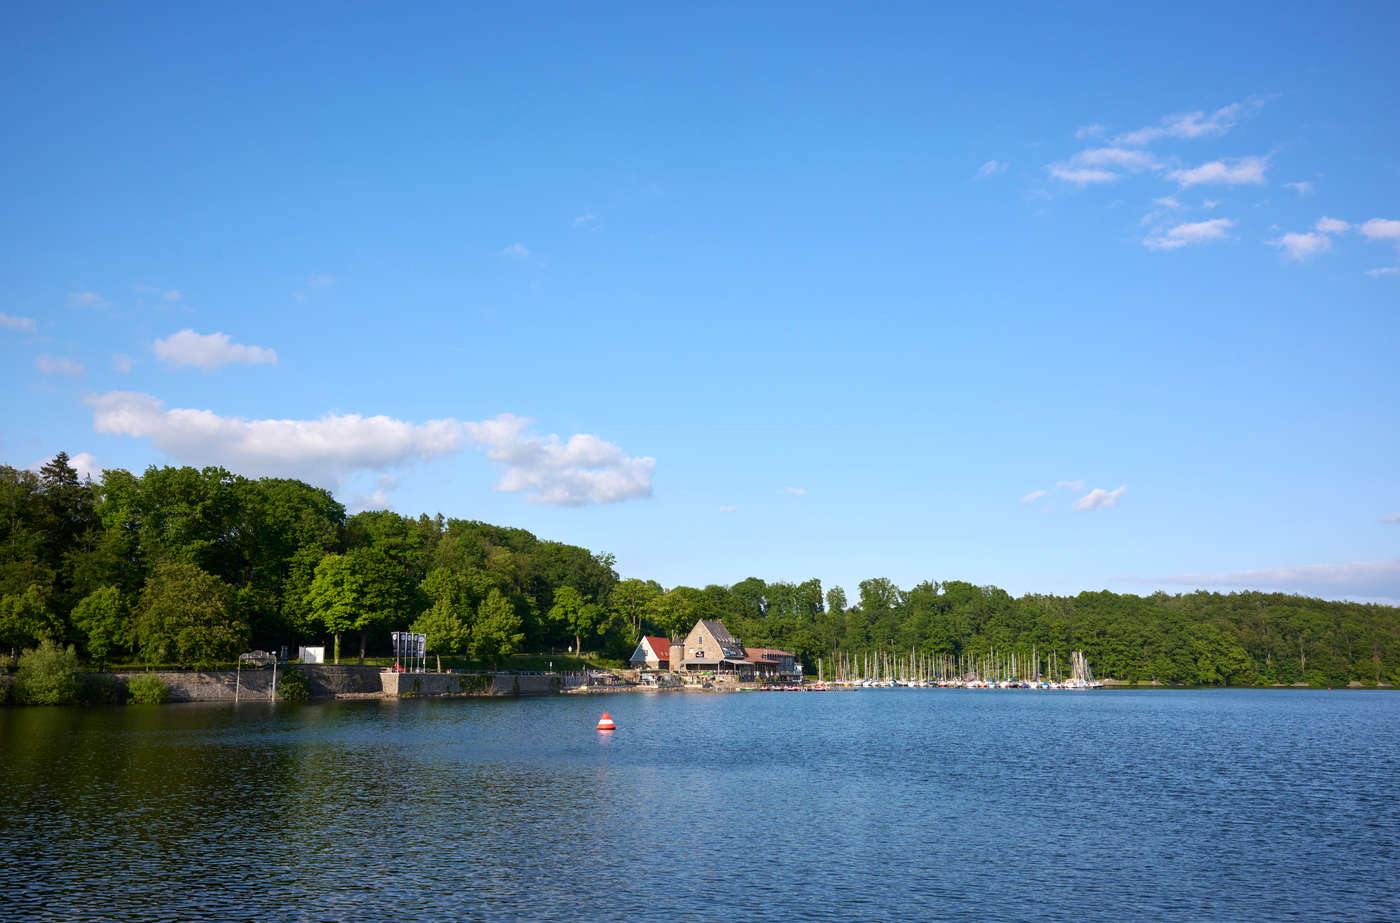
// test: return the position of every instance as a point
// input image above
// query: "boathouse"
(710, 648)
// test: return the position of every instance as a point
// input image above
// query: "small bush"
(292, 686)
(48, 675)
(147, 689)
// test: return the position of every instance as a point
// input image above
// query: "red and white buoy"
(605, 723)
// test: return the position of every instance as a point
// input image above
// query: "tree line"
(192, 566)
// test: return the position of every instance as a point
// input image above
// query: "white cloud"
(85, 463)
(121, 362)
(1098, 498)
(583, 470)
(1070, 485)
(1090, 131)
(86, 300)
(1243, 171)
(1033, 496)
(1383, 271)
(1331, 225)
(581, 221)
(1210, 203)
(22, 324)
(1190, 124)
(1123, 158)
(1381, 229)
(1303, 189)
(209, 350)
(1393, 517)
(1196, 232)
(1167, 202)
(991, 168)
(1081, 175)
(795, 491)
(1372, 578)
(517, 250)
(728, 509)
(58, 365)
(1100, 165)
(1300, 247)
(379, 500)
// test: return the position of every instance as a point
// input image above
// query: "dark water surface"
(873, 805)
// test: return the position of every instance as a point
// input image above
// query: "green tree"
(581, 616)
(48, 675)
(497, 631)
(630, 599)
(186, 615)
(676, 611)
(447, 632)
(335, 598)
(105, 618)
(25, 618)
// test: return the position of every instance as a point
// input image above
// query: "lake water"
(872, 805)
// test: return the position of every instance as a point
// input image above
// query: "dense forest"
(191, 566)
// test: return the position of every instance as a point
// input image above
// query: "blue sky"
(778, 290)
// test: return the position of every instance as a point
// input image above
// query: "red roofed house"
(652, 654)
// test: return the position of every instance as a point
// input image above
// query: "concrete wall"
(487, 684)
(324, 681)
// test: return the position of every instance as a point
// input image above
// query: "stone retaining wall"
(323, 681)
(327, 681)
(486, 684)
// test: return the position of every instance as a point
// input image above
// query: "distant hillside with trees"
(192, 566)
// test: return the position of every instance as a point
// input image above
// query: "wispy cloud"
(991, 168)
(209, 351)
(728, 509)
(1242, 171)
(1383, 271)
(58, 365)
(1364, 578)
(1082, 176)
(1122, 158)
(1098, 498)
(582, 221)
(1090, 131)
(1167, 201)
(168, 295)
(1195, 232)
(547, 470)
(1300, 247)
(87, 300)
(1033, 496)
(517, 250)
(1211, 203)
(1070, 485)
(320, 280)
(1102, 165)
(1392, 518)
(794, 491)
(1189, 125)
(1304, 188)
(121, 362)
(22, 324)
(1331, 225)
